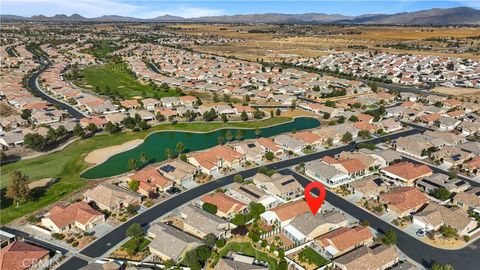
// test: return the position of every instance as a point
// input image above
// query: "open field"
(276, 42)
(118, 80)
(66, 165)
(456, 91)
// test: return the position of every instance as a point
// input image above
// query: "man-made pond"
(155, 144)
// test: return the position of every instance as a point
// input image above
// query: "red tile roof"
(224, 203)
(20, 255)
(151, 177)
(408, 170)
(80, 212)
(404, 198)
(345, 238)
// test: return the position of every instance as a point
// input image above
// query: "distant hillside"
(451, 16)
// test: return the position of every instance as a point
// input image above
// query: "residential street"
(407, 243)
(99, 247)
(33, 84)
(465, 258)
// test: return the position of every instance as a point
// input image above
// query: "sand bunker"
(100, 155)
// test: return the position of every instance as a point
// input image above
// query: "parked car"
(173, 190)
(421, 232)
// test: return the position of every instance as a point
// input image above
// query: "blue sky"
(151, 8)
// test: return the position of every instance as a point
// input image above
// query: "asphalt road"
(467, 258)
(73, 263)
(31, 239)
(105, 243)
(33, 85)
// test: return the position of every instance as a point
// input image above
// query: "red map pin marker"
(315, 202)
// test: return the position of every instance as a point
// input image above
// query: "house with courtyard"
(344, 239)
(404, 201)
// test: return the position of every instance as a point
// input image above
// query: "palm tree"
(132, 164)
(239, 134)
(229, 135)
(143, 157)
(180, 147)
(258, 132)
(168, 153)
(221, 139)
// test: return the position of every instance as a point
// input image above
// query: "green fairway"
(101, 49)
(66, 165)
(117, 80)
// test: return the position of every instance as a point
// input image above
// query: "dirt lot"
(274, 42)
(456, 91)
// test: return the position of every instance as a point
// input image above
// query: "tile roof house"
(97, 121)
(438, 180)
(468, 200)
(285, 187)
(19, 255)
(247, 193)
(151, 181)
(130, 103)
(150, 104)
(283, 214)
(180, 172)
(351, 166)
(212, 160)
(404, 200)
(270, 146)
(307, 227)
(170, 243)
(450, 155)
(434, 215)
(379, 257)
(472, 147)
(326, 174)
(199, 223)
(414, 146)
(406, 172)
(450, 138)
(343, 240)
(370, 188)
(308, 137)
(110, 197)
(252, 150)
(227, 207)
(80, 215)
(448, 123)
(473, 165)
(289, 143)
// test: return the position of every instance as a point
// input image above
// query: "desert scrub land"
(275, 42)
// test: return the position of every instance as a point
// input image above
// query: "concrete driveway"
(102, 229)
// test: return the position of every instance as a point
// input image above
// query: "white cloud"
(95, 8)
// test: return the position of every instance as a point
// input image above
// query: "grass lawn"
(249, 250)
(67, 164)
(116, 79)
(130, 244)
(309, 255)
